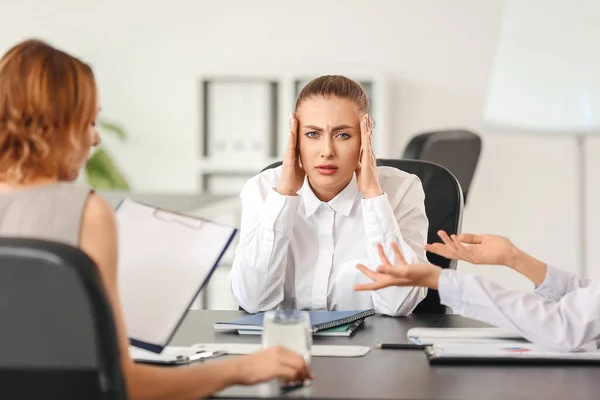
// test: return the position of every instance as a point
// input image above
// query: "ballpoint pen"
(401, 346)
(201, 355)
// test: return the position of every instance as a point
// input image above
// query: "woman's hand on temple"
(292, 174)
(366, 172)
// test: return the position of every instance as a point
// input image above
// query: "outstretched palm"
(479, 249)
(401, 274)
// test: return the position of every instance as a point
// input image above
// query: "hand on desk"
(272, 363)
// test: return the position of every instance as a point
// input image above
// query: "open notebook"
(165, 259)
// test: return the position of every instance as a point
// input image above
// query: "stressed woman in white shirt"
(562, 314)
(306, 224)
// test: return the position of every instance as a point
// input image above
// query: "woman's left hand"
(366, 172)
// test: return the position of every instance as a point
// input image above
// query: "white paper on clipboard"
(165, 259)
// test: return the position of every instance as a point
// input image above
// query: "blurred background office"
(202, 91)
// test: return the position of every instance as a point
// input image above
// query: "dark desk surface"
(404, 374)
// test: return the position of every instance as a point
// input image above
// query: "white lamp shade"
(546, 71)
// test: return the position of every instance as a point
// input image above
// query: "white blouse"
(297, 252)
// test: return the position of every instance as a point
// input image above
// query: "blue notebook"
(320, 320)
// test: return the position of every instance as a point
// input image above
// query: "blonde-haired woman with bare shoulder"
(48, 105)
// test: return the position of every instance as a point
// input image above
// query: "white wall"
(149, 57)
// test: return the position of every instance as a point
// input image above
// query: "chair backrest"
(444, 209)
(458, 150)
(57, 338)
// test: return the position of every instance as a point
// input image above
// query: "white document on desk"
(316, 350)
(460, 335)
(165, 259)
(508, 352)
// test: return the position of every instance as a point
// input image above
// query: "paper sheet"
(316, 350)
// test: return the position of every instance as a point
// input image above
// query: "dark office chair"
(458, 150)
(444, 208)
(57, 337)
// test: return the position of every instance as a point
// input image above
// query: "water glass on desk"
(290, 329)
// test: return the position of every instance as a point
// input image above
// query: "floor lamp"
(545, 79)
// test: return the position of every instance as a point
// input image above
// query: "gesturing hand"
(366, 172)
(401, 274)
(480, 249)
(292, 174)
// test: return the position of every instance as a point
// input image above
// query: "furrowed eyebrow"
(315, 128)
(335, 128)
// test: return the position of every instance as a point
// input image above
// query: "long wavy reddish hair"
(48, 99)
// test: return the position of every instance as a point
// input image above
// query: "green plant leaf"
(114, 128)
(102, 173)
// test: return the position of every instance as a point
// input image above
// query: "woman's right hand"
(480, 249)
(292, 175)
(272, 363)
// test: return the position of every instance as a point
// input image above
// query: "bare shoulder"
(98, 214)
(99, 230)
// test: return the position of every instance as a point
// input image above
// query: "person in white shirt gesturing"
(307, 223)
(562, 314)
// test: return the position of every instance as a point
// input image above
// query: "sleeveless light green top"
(51, 212)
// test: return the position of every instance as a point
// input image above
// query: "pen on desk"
(400, 346)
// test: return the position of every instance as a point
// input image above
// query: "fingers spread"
(382, 256)
(398, 253)
(367, 271)
(447, 241)
(439, 249)
(469, 238)
(369, 286)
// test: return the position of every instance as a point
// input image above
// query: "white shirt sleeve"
(399, 219)
(257, 275)
(558, 282)
(562, 325)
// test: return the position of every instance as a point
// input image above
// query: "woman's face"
(329, 141)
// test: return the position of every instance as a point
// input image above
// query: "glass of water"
(290, 329)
